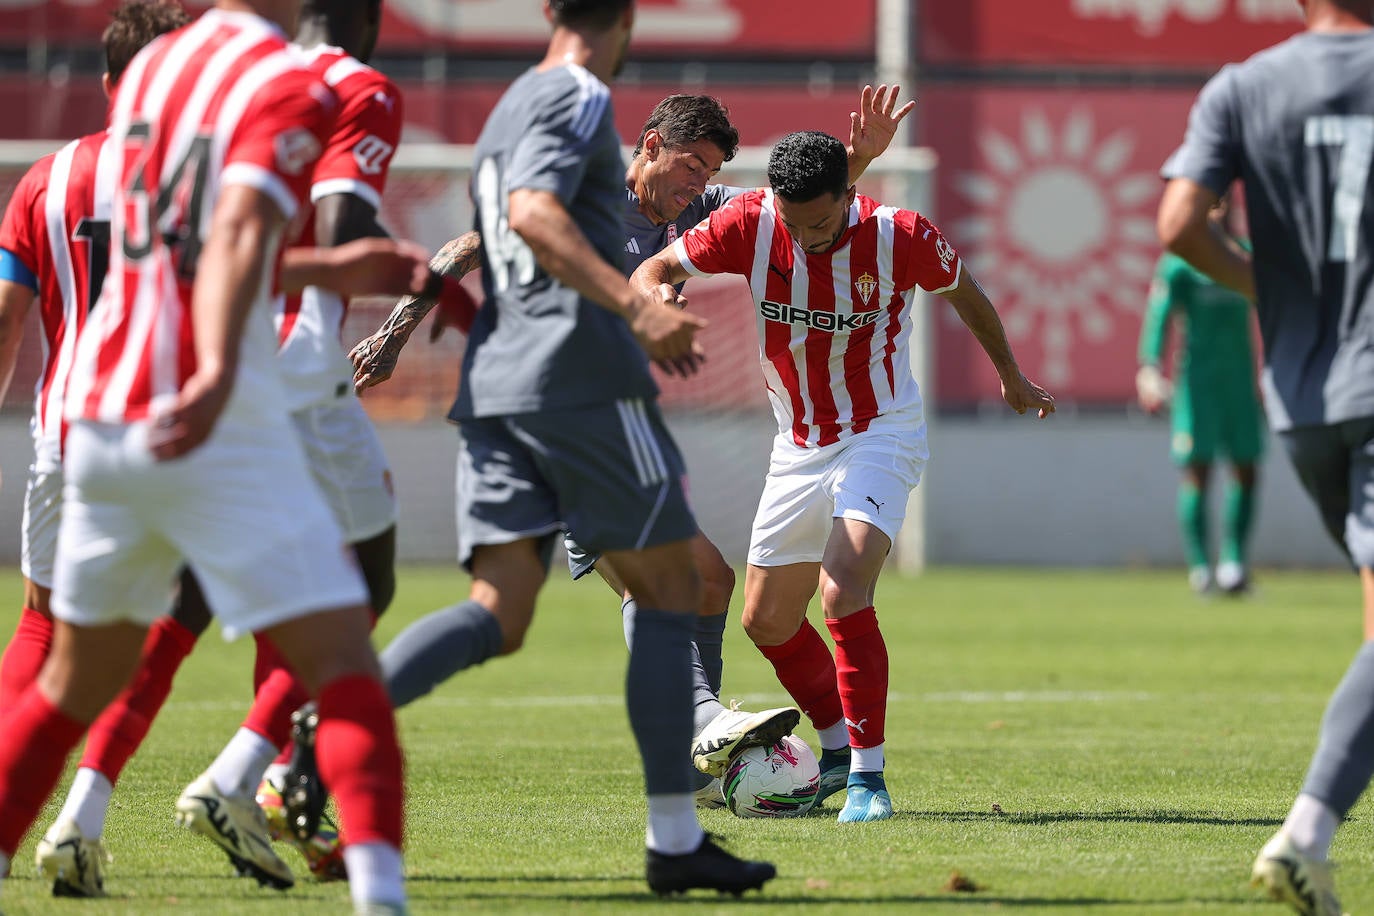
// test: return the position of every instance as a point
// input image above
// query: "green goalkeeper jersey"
(1215, 406)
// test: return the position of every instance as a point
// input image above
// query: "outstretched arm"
(975, 310)
(873, 126)
(375, 358)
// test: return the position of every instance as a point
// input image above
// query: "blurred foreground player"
(1297, 123)
(180, 447)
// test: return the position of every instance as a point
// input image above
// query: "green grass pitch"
(1069, 742)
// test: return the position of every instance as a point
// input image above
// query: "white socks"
(834, 737)
(866, 759)
(673, 826)
(275, 774)
(1311, 825)
(87, 802)
(239, 767)
(375, 874)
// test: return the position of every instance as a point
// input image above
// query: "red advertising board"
(36, 108)
(1116, 33)
(1050, 195)
(753, 27)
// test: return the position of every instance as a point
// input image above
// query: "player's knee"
(38, 598)
(842, 595)
(766, 627)
(512, 638)
(717, 585)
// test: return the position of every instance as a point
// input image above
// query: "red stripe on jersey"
(858, 377)
(224, 92)
(777, 336)
(820, 297)
(57, 225)
(834, 328)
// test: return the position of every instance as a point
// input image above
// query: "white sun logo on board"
(1063, 233)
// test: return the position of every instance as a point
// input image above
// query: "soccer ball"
(777, 781)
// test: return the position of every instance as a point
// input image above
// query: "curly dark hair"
(807, 164)
(593, 14)
(133, 24)
(683, 119)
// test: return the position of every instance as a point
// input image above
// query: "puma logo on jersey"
(818, 319)
(775, 269)
(857, 726)
(877, 505)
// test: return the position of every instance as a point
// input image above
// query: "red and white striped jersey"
(58, 225)
(224, 101)
(834, 328)
(355, 161)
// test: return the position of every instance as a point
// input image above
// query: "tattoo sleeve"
(378, 354)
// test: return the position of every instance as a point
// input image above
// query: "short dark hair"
(133, 24)
(343, 7)
(807, 164)
(593, 14)
(683, 119)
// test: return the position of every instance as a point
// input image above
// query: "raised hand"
(873, 126)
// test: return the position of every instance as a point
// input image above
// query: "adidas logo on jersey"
(632, 246)
(818, 319)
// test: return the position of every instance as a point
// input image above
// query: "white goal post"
(720, 418)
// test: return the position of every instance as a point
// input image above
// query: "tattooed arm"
(374, 359)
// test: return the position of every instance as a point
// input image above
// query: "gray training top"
(537, 345)
(1296, 124)
(643, 239)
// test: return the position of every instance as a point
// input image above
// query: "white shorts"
(42, 513)
(866, 477)
(241, 511)
(346, 458)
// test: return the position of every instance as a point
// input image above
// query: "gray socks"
(709, 637)
(436, 647)
(658, 690)
(1344, 762)
(705, 696)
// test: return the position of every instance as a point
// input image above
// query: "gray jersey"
(1296, 124)
(643, 239)
(536, 344)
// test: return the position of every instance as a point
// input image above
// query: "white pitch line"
(970, 697)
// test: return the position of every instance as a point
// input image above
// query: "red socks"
(807, 672)
(24, 656)
(38, 738)
(124, 724)
(861, 669)
(279, 694)
(360, 759)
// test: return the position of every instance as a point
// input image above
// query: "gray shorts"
(609, 475)
(580, 562)
(1336, 466)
